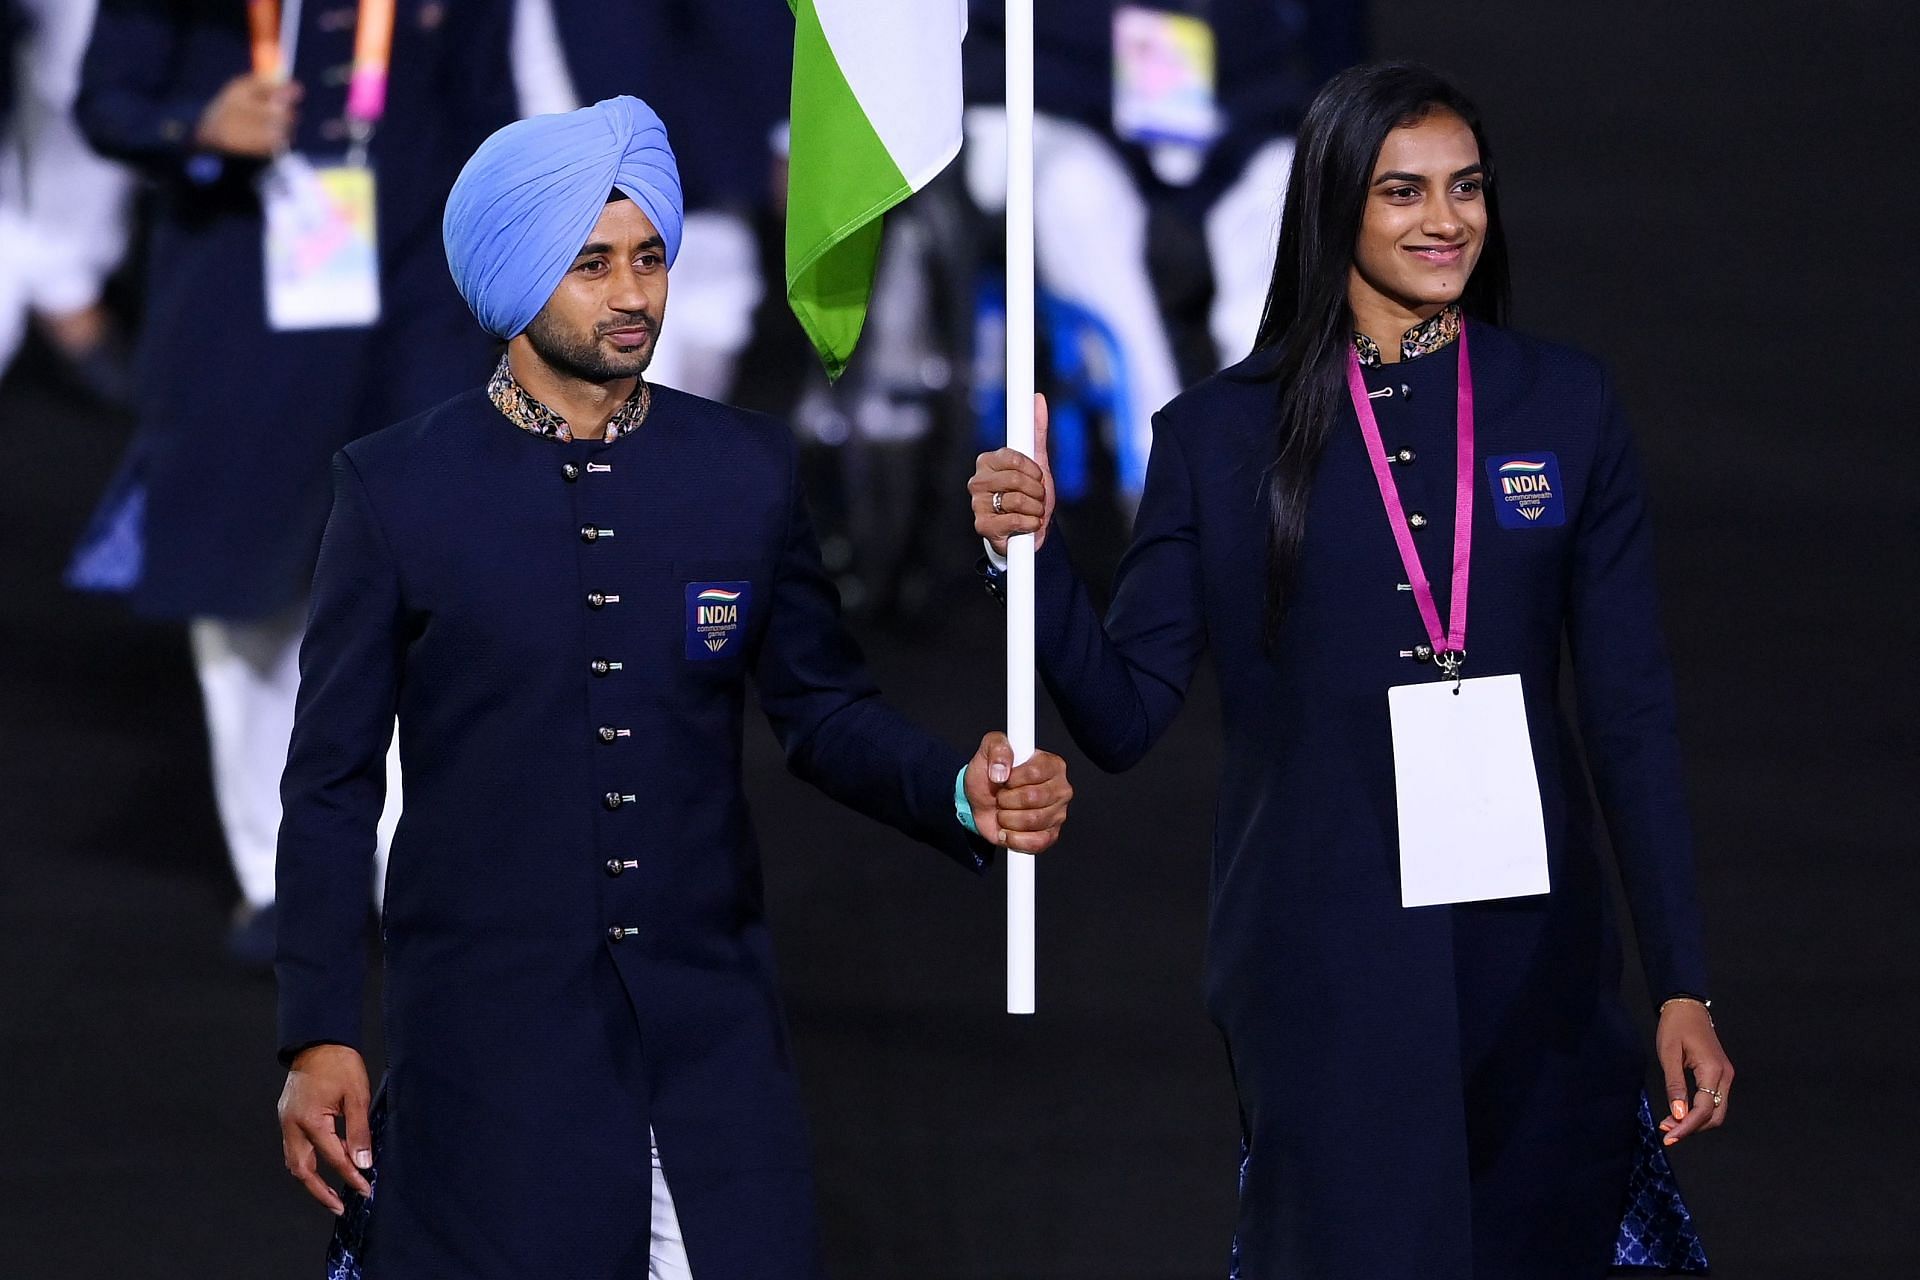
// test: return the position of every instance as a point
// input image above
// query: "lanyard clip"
(1451, 663)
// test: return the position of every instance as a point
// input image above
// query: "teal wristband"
(961, 808)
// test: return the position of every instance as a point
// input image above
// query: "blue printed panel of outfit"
(1657, 1232)
(349, 1243)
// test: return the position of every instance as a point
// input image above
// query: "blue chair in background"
(1088, 382)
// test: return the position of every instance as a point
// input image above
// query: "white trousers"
(1090, 244)
(667, 1253)
(1243, 233)
(64, 211)
(249, 677)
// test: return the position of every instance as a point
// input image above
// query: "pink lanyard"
(1450, 649)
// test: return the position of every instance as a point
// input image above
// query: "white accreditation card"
(1470, 822)
(322, 263)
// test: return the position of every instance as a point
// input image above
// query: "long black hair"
(1307, 325)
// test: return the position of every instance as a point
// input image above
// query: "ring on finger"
(1719, 1096)
(997, 508)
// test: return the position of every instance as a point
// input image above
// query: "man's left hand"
(1018, 807)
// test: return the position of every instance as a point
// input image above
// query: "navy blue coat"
(236, 423)
(1447, 1093)
(571, 749)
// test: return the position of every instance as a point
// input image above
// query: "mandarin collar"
(1430, 335)
(519, 407)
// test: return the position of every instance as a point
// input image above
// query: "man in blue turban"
(561, 584)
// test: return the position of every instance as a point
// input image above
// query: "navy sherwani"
(576, 946)
(1441, 1093)
(225, 482)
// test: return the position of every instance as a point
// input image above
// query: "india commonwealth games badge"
(1526, 490)
(716, 618)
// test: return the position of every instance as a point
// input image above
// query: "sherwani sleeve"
(335, 782)
(129, 105)
(1624, 683)
(837, 731)
(1119, 683)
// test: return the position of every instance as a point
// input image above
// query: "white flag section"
(901, 59)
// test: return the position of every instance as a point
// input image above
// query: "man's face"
(603, 320)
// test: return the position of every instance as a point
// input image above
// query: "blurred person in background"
(296, 298)
(1090, 213)
(64, 211)
(1272, 57)
(562, 581)
(1161, 147)
(1412, 953)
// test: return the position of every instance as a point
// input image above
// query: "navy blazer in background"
(717, 72)
(236, 422)
(1448, 1093)
(571, 750)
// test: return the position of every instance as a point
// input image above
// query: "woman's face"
(1426, 215)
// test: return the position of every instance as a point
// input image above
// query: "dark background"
(1712, 196)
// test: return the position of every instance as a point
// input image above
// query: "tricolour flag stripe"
(875, 116)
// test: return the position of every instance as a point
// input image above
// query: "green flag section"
(875, 116)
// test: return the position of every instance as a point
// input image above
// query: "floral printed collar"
(527, 413)
(1425, 338)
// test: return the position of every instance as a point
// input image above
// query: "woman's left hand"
(1686, 1042)
(1012, 493)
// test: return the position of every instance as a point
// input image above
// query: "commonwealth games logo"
(715, 611)
(1527, 490)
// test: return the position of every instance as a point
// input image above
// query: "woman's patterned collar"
(527, 413)
(1425, 338)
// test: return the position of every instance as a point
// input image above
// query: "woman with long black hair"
(1383, 524)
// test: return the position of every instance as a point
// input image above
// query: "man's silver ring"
(997, 508)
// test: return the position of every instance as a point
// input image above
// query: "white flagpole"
(1020, 388)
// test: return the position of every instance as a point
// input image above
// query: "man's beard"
(583, 358)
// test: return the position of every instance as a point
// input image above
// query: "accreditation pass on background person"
(322, 263)
(1469, 801)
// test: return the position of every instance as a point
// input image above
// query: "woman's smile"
(1439, 255)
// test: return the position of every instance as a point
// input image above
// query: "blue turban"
(530, 196)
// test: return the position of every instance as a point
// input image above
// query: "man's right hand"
(253, 117)
(327, 1082)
